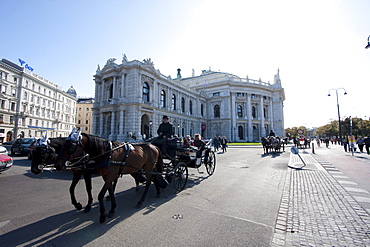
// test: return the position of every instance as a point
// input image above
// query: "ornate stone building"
(31, 105)
(131, 98)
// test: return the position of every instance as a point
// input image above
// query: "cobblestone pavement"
(316, 210)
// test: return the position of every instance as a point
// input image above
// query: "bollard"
(313, 148)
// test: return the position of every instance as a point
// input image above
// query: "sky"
(317, 45)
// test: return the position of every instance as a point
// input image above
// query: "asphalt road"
(237, 206)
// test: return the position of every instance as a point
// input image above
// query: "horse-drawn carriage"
(177, 159)
(272, 143)
(84, 154)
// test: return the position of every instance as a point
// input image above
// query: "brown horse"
(112, 159)
(44, 155)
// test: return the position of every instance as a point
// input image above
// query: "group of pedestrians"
(361, 142)
(219, 142)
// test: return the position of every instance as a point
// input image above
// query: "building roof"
(72, 91)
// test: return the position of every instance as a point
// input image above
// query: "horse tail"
(159, 164)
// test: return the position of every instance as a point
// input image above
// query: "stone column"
(101, 126)
(271, 115)
(262, 128)
(233, 116)
(249, 112)
(114, 87)
(113, 135)
(121, 134)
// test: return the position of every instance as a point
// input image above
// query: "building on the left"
(31, 105)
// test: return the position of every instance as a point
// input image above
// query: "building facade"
(131, 98)
(85, 114)
(31, 105)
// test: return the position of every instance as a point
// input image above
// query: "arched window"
(241, 133)
(146, 92)
(163, 98)
(240, 111)
(173, 102)
(216, 110)
(253, 112)
(191, 107)
(182, 104)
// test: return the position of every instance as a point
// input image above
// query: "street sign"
(300, 131)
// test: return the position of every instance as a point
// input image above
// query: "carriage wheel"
(180, 176)
(211, 163)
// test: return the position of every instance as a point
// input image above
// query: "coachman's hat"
(165, 117)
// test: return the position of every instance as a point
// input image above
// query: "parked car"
(3, 150)
(5, 162)
(21, 146)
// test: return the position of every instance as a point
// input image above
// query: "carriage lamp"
(368, 43)
(340, 126)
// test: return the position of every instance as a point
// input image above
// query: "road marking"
(333, 172)
(4, 223)
(347, 182)
(362, 199)
(340, 176)
(356, 190)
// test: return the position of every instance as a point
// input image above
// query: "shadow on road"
(76, 228)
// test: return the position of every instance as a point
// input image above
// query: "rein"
(94, 157)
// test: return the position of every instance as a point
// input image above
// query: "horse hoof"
(102, 218)
(87, 209)
(138, 205)
(111, 214)
(78, 206)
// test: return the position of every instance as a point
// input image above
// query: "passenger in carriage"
(200, 144)
(187, 141)
(164, 132)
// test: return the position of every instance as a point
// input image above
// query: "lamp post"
(340, 126)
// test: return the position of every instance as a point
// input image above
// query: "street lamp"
(368, 43)
(340, 126)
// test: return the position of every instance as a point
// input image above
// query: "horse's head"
(38, 153)
(45, 152)
(41, 157)
(71, 149)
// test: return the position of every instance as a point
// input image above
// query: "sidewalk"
(316, 210)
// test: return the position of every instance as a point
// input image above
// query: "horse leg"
(75, 179)
(113, 202)
(148, 182)
(101, 195)
(108, 198)
(88, 185)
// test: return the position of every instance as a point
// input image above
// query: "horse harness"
(86, 160)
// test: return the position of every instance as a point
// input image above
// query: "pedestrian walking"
(224, 144)
(327, 142)
(360, 143)
(345, 144)
(215, 143)
(367, 144)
